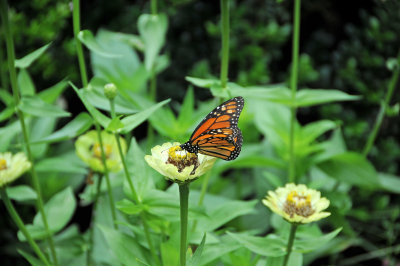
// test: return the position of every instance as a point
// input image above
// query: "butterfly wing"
(218, 135)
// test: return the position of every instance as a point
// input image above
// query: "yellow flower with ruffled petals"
(89, 150)
(12, 166)
(297, 203)
(178, 165)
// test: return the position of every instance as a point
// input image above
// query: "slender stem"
(106, 174)
(91, 233)
(203, 192)
(184, 201)
(153, 97)
(225, 42)
(382, 109)
(290, 243)
(18, 221)
(76, 20)
(133, 190)
(293, 85)
(3, 70)
(14, 85)
(154, 7)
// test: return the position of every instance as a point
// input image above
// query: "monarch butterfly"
(218, 135)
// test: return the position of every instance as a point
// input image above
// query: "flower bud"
(110, 91)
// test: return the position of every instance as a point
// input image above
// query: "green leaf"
(33, 105)
(195, 259)
(313, 130)
(86, 37)
(132, 121)
(59, 210)
(215, 251)
(389, 182)
(202, 83)
(310, 97)
(115, 125)
(58, 165)
(129, 207)
(96, 114)
(7, 113)
(152, 29)
(80, 124)
(27, 60)
(50, 95)
(186, 111)
(6, 97)
(31, 259)
(125, 247)
(308, 244)
(126, 72)
(25, 83)
(265, 246)
(351, 168)
(224, 213)
(7, 134)
(21, 193)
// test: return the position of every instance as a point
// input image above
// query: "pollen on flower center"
(298, 204)
(3, 164)
(181, 158)
(97, 150)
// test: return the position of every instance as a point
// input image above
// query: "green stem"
(3, 70)
(14, 85)
(184, 201)
(133, 190)
(106, 174)
(18, 221)
(382, 109)
(290, 243)
(153, 97)
(203, 192)
(154, 7)
(293, 85)
(91, 233)
(225, 42)
(77, 26)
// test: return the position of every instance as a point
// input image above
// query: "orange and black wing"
(218, 135)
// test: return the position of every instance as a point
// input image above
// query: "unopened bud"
(110, 91)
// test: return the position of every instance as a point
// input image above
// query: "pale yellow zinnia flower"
(297, 203)
(12, 166)
(178, 165)
(89, 150)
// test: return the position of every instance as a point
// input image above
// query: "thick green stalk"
(203, 192)
(107, 175)
(290, 243)
(382, 109)
(225, 42)
(293, 85)
(77, 27)
(133, 190)
(184, 201)
(14, 85)
(18, 221)
(3, 70)
(154, 7)
(91, 232)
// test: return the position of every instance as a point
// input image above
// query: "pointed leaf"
(35, 106)
(50, 95)
(86, 37)
(132, 121)
(27, 60)
(21, 193)
(25, 83)
(195, 259)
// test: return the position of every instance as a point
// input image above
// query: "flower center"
(97, 150)
(181, 158)
(298, 204)
(3, 164)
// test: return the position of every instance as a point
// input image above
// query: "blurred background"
(344, 45)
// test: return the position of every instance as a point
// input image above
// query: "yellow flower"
(297, 203)
(178, 165)
(12, 166)
(89, 150)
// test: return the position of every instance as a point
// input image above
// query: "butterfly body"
(218, 135)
